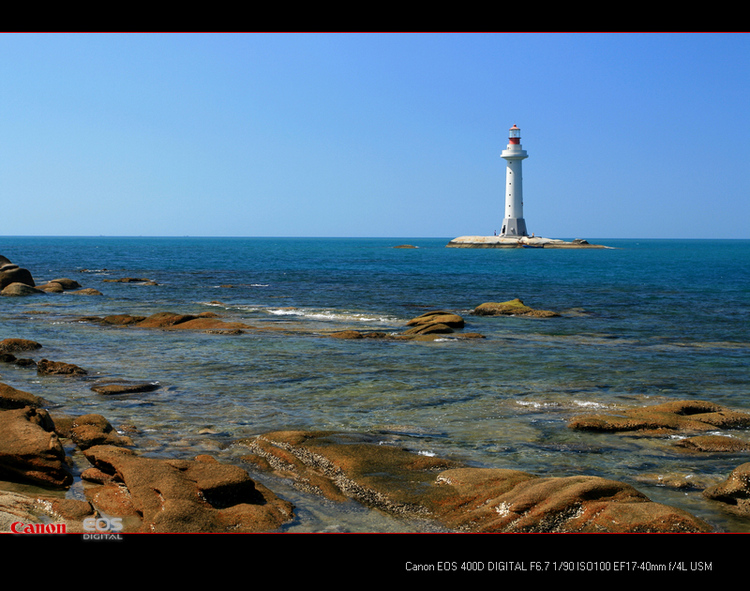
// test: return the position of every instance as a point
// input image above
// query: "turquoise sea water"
(643, 322)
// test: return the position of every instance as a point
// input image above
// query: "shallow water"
(644, 322)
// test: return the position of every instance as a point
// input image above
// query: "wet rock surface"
(151, 494)
(461, 498)
(30, 449)
(201, 495)
(681, 415)
(426, 327)
(734, 492)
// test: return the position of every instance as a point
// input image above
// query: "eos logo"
(102, 525)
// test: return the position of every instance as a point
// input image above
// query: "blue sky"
(394, 135)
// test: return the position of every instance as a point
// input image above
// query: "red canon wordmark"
(18, 527)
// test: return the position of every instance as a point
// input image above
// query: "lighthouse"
(513, 222)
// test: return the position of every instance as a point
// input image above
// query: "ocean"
(643, 322)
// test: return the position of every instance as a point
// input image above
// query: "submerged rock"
(205, 321)
(16, 345)
(58, 368)
(124, 387)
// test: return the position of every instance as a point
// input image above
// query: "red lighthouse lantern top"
(515, 135)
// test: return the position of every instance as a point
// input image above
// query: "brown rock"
(400, 482)
(51, 288)
(10, 398)
(93, 429)
(347, 334)
(124, 387)
(18, 289)
(713, 444)
(189, 496)
(497, 500)
(131, 280)
(66, 284)
(205, 322)
(513, 307)
(437, 317)
(42, 514)
(356, 334)
(58, 368)
(436, 322)
(165, 320)
(16, 345)
(30, 450)
(122, 319)
(682, 415)
(734, 492)
(10, 273)
(427, 329)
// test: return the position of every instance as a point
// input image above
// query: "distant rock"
(18, 289)
(66, 284)
(16, 345)
(51, 287)
(514, 307)
(139, 280)
(427, 327)
(122, 319)
(205, 321)
(12, 273)
(405, 246)
(437, 321)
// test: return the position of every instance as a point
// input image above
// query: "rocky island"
(518, 242)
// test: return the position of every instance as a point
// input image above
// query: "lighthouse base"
(514, 227)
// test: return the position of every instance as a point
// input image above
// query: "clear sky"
(393, 135)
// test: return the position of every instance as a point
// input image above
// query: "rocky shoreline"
(47, 452)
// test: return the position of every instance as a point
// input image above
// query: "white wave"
(331, 316)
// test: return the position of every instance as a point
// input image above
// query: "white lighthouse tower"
(513, 222)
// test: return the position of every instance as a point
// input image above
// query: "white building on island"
(513, 222)
(514, 233)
